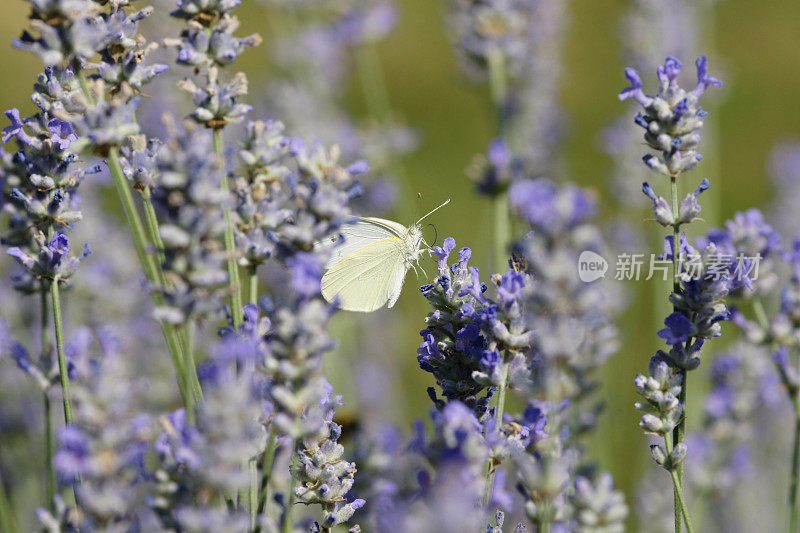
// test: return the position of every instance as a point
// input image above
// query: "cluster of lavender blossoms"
(186, 227)
(701, 278)
(227, 420)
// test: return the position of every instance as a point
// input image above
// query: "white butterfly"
(366, 271)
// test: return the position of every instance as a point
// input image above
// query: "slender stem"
(190, 369)
(190, 378)
(794, 514)
(7, 521)
(683, 511)
(682, 504)
(680, 429)
(84, 85)
(678, 437)
(62, 358)
(50, 478)
(151, 222)
(287, 516)
(498, 85)
(499, 92)
(253, 493)
(266, 471)
(230, 246)
(253, 286)
(190, 373)
(132, 216)
(498, 423)
(151, 271)
(501, 230)
(546, 524)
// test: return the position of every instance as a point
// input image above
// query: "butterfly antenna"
(434, 210)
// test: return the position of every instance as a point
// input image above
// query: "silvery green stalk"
(672, 119)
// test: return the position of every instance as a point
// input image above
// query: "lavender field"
(412, 266)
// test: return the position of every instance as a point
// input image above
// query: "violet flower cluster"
(229, 422)
(701, 279)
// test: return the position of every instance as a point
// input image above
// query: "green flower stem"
(680, 429)
(190, 394)
(266, 471)
(502, 230)
(7, 521)
(62, 358)
(190, 378)
(230, 246)
(498, 88)
(546, 524)
(253, 493)
(498, 423)
(287, 517)
(50, 477)
(794, 517)
(676, 483)
(151, 223)
(794, 475)
(84, 85)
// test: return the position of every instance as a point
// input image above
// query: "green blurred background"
(753, 47)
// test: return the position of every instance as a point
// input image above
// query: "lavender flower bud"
(661, 208)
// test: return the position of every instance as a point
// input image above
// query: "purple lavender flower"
(672, 117)
(53, 263)
(678, 329)
(467, 333)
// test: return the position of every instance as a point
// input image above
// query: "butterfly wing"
(369, 277)
(359, 234)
